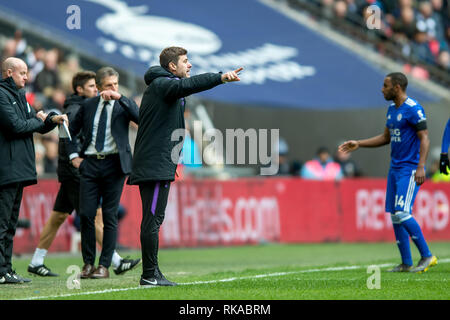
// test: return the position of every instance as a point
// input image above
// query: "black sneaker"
(126, 265)
(18, 276)
(41, 270)
(10, 279)
(157, 280)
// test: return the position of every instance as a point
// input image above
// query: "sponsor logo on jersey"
(395, 135)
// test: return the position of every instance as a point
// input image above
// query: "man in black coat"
(103, 160)
(18, 122)
(156, 155)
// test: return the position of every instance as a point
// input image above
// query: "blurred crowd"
(327, 165)
(420, 28)
(50, 73)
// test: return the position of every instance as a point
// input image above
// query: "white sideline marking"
(258, 276)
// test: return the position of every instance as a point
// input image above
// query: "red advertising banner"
(364, 217)
(209, 212)
(254, 210)
(37, 205)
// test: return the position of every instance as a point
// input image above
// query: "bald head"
(17, 69)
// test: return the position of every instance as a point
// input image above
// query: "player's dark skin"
(396, 94)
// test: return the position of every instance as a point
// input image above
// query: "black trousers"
(10, 199)
(154, 197)
(100, 179)
(68, 197)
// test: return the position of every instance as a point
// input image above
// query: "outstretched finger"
(239, 70)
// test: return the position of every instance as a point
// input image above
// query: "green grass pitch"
(260, 272)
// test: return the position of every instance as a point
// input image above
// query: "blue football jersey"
(401, 122)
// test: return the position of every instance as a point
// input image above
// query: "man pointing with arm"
(154, 167)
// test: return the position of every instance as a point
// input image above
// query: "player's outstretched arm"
(349, 146)
(377, 141)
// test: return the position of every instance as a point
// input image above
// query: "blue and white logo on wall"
(146, 35)
(133, 25)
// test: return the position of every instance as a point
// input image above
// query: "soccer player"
(444, 162)
(406, 130)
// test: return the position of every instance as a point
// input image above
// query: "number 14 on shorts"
(399, 202)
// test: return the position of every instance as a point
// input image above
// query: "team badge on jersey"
(399, 117)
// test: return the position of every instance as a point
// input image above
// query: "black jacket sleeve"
(13, 125)
(130, 108)
(75, 127)
(49, 125)
(178, 88)
(71, 112)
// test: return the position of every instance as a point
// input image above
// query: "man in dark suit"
(104, 160)
(18, 122)
(155, 157)
(68, 197)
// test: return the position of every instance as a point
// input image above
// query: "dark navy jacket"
(160, 114)
(18, 122)
(124, 111)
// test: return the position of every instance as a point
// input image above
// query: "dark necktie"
(101, 129)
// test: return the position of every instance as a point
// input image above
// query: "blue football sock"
(402, 237)
(413, 228)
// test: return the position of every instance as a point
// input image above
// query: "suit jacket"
(124, 111)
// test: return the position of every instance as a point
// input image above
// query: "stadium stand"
(414, 33)
(52, 65)
(294, 83)
(50, 80)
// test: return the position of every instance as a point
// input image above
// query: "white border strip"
(258, 276)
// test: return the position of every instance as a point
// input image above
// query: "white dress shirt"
(110, 145)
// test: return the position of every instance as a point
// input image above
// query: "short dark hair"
(398, 78)
(321, 150)
(81, 78)
(105, 72)
(171, 54)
